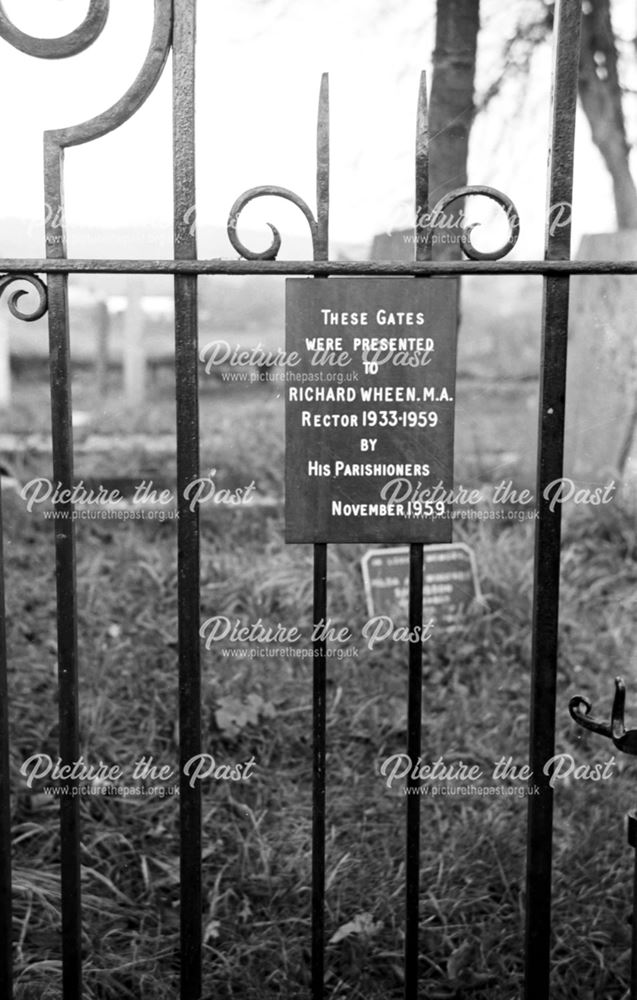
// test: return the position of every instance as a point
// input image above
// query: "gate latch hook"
(626, 741)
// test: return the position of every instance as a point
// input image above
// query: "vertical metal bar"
(187, 390)
(321, 249)
(548, 531)
(64, 527)
(633, 942)
(6, 930)
(318, 777)
(414, 696)
(321, 252)
(414, 727)
(632, 840)
(422, 231)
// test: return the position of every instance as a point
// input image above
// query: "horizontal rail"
(318, 267)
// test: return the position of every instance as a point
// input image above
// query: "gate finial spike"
(321, 250)
(422, 228)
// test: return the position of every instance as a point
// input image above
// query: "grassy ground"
(257, 834)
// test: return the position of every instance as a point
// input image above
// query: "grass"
(257, 834)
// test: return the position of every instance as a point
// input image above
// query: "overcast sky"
(259, 68)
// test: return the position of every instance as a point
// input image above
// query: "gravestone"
(450, 582)
(602, 366)
(134, 349)
(5, 361)
(102, 330)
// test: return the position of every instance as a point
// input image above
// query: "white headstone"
(134, 350)
(5, 359)
(602, 365)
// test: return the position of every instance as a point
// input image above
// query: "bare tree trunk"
(600, 94)
(452, 107)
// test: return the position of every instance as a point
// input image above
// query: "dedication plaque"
(369, 409)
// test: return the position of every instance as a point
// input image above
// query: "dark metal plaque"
(369, 391)
(450, 582)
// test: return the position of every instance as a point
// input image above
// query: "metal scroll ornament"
(625, 740)
(466, 243)
(65, 45)
(267, 191)
(465, 236)
(16, 295)
(319, 225)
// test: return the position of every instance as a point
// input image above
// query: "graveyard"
(318, 539)
(257, 706)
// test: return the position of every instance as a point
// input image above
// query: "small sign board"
(450, 582)
(369, 409)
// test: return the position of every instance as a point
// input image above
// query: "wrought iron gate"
(174, 29)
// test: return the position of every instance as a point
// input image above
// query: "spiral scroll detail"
(15, 296)
(502, 200)
(264, 192)
(66, 45)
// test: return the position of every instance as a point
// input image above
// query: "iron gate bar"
(30, 266)
(414, 735)
(65, 575)
(414, 677)
(546, 583)
(632, 840)
(320, 245)
(188, 547)
(55, 142)
(321, 251)
(318, 774)
(6, 909)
